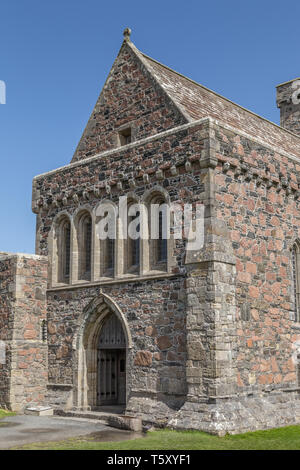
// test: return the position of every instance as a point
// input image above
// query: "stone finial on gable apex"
(126, 34)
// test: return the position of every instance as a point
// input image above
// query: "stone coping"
(6, 255)
(289, 81)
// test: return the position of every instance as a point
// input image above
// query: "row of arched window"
(78, 254)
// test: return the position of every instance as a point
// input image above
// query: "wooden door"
(122, 377)
(107, 377)
(111, 388)
(111, 373)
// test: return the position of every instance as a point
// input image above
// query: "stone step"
(114, 420)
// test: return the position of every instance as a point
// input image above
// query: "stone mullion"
(95, 254)
(119, 250)
(144, 242)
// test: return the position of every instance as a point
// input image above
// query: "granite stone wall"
(22, 311)
(257, 196)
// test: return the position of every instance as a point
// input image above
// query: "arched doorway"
(111, 363)
(102, 338)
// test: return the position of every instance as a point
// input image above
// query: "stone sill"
(60, 386)
(114, 281)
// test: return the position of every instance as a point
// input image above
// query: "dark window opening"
(125, 136)
(134, 246)
(162, 242)
(88, 246)
(110, 259)
(67, 240)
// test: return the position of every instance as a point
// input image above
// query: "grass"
(5, 413)
(287, 438)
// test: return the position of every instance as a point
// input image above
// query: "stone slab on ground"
(39, 411)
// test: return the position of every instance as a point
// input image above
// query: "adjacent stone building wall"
(7, 279)
(23, 285)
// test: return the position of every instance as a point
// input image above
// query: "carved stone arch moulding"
(154, 192)
(85, 347)
(92, 309)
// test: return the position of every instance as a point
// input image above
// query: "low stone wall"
(23, 284)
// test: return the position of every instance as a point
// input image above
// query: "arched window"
(295, 270)
(84, 243)
(64, 251)
(132, 241)
(106, 233)
(159, 232)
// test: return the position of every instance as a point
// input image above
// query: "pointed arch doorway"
(111, 363)
(102, 353)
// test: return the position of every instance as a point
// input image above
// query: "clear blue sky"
(55, 56)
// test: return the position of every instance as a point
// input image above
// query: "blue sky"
(55, 56)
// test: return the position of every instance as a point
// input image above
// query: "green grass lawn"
(287, 438)
(5, 413)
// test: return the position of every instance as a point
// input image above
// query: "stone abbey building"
(204, 339)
